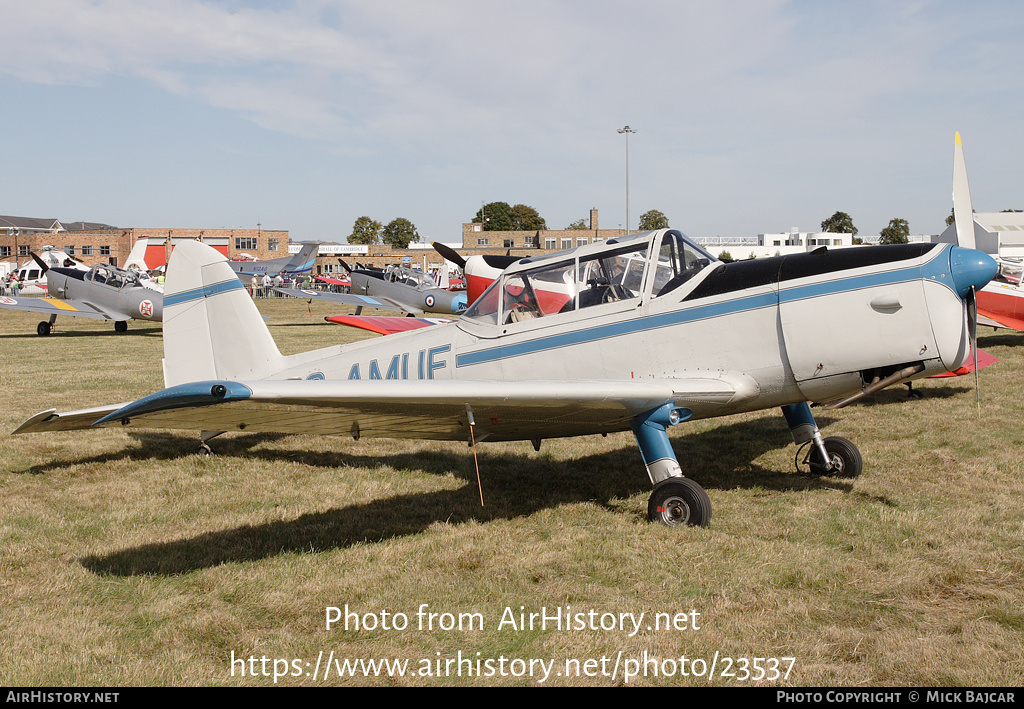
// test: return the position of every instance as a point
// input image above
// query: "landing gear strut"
(833, 456)
(43, 329)
(676, 500)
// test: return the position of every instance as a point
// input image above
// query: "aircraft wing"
(350, 299)
(984, 360)
(56, 306)
(385, 324)
(423, 409)
(991, 319)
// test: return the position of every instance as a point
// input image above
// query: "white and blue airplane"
(639, 333)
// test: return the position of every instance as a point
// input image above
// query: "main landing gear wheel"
(43, 329)
(120, 326)
(679, 501)
(844, 459)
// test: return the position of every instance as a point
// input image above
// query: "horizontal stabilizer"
(50, 420)
(385, 324)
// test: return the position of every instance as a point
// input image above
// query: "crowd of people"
(10, 285)
(263, 287)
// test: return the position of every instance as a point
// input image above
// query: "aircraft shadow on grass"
(514, 486)
(140, 332)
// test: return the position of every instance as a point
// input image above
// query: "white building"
(996, 233)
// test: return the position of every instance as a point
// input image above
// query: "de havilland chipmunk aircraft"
(398, 288)
(640, 333)
(103, 292)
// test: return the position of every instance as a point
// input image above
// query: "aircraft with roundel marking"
(103, 292)
(638, 333)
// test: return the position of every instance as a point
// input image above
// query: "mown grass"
(128, 560)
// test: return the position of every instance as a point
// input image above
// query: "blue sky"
(751, 116)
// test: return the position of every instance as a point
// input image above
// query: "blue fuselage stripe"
(700, 312)
(204, 292)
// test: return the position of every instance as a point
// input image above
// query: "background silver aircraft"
(103, 293)
(398, 288)
(298, 264)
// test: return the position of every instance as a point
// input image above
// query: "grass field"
(129, 560)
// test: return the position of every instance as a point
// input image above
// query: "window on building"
(104, 251)
(246, 242)
(551, 243)
(508, 243)
(69, 249)
(24, 250)
(481, 242)
(567, 243)
(272, 244)
(5, 251)
(531, 240)
(87, 250)
(581, 241)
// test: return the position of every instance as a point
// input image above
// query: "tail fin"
(303, 261)
(442, 280)
(212, 329)
(137, 257)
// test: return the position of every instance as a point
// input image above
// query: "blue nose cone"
(970, 268)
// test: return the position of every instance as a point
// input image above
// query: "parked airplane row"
(641, 333)
(106, 292)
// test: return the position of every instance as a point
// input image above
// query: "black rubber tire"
(679, 502)
(43, 329)
(120, 326)
(846, 459)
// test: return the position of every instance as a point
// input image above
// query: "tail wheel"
(679, 502)
(844, 459)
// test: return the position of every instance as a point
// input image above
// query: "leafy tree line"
(398, 233)
(898, 231)
(499, 216)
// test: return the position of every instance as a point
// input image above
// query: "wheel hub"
(675, 511)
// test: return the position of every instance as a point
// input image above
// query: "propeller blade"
(42, 264)
(971, 303)
(345, 266)
(963, 213)
(449, 254)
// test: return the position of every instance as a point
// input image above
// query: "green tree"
(839, 223)
(399, 233)
(578, 224)
(495, 216)
(653, 219)
(526, 218)
(365, 231)
(951, 219)
(896, 233)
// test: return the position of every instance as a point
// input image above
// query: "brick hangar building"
(93, 243)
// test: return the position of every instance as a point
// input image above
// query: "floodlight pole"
(627, 130)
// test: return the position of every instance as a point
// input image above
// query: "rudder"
(212, 328)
